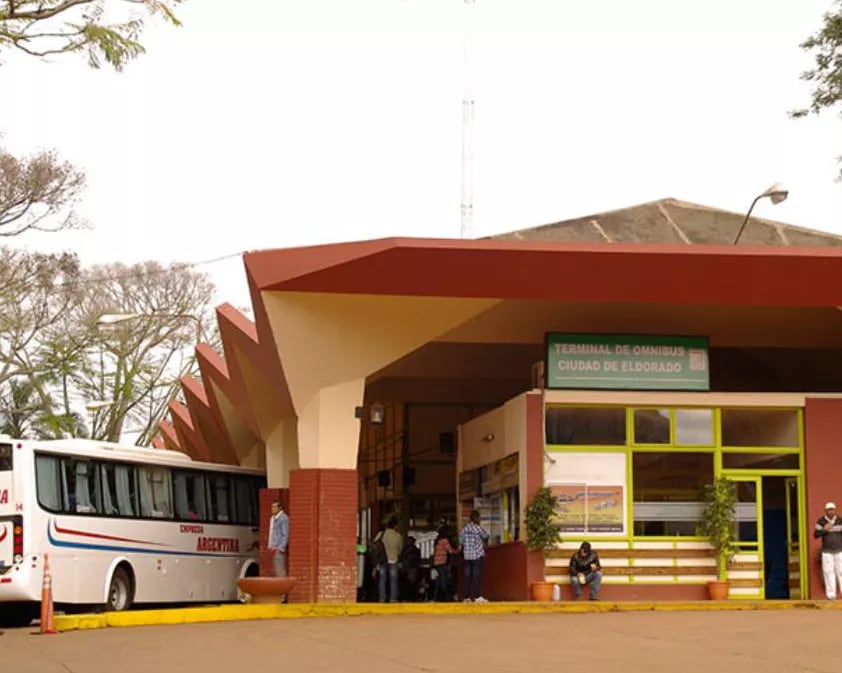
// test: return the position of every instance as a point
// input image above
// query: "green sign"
(627, 362)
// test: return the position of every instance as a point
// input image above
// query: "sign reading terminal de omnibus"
(627, 362)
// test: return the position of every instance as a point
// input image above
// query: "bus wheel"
(119, 591)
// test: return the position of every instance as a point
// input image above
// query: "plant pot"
(542, 591)
(718, 591)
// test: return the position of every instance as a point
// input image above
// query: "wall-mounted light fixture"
(376, 414)
(489, 437)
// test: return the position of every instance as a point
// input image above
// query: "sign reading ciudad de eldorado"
(627, 362)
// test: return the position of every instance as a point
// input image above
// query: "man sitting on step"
(585, 569)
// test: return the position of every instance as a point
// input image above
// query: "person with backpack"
(384, 553)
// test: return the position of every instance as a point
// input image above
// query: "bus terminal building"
(623, 359)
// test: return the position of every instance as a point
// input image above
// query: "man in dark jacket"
(585, 569)
(829, 529)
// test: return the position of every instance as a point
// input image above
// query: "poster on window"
(585, 508)
(571, 512)
(604, 509)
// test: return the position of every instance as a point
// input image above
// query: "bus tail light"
(17, 523)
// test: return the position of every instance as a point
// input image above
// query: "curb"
(233, 613)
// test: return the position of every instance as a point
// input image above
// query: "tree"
(37, 192)
(57, 359)
(36, 291)
(106, 30)
(825, 46)
(140, 362)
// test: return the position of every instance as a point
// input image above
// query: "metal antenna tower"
(467, 127)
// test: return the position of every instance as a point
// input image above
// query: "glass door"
(793, 538)
(746, 570)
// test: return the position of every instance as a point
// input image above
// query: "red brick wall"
(267, 497)
(822, 466)
(323, 535)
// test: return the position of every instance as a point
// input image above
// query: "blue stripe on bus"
(133, 550)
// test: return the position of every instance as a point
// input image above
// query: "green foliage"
(55, 359)
(106, 30)
(825, 46)
(719, 521)
(542, 532)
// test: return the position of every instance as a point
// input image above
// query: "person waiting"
(829, 530)
(442, 553)
(410, 566)
(473, 540)
(585, 569)
(392, 545)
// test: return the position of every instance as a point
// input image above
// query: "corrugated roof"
(674, 221)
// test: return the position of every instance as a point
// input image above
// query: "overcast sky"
(281, 123)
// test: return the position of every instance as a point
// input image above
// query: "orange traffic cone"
(47, 621)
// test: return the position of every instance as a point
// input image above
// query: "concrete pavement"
(650, 642)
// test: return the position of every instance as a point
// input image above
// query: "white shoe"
(481, 600)
(467, 600)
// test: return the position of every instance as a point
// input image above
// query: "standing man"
(473, 540)
(585, 569)
(279, 538)
(829, 529)
(392, 546)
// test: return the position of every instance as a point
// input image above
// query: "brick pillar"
(323, 535)
(822, 464)
(267, 497)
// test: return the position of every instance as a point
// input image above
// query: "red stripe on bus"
(100, 536)
(4, 534)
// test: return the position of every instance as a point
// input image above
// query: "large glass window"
(760, 427)
(694, 427)
(155, 492)
(586, 426)
(760, 461)
(668, 492)
(651, 426)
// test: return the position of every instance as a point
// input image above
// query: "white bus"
(122, 525)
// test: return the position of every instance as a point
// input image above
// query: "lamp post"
(776, 194)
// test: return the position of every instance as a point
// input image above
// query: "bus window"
(81, 487)
(47, 482)
(118, 492)
(6, 458)
(219, 497)
(246, 499)
(189, 488)
(155, 492)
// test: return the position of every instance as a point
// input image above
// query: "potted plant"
(542, 534)
(719, 527)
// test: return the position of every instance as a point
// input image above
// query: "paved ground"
(749, 642)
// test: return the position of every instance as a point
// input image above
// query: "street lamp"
(99, 405)
(776, 194)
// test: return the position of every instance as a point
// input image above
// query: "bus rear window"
(5, 457)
